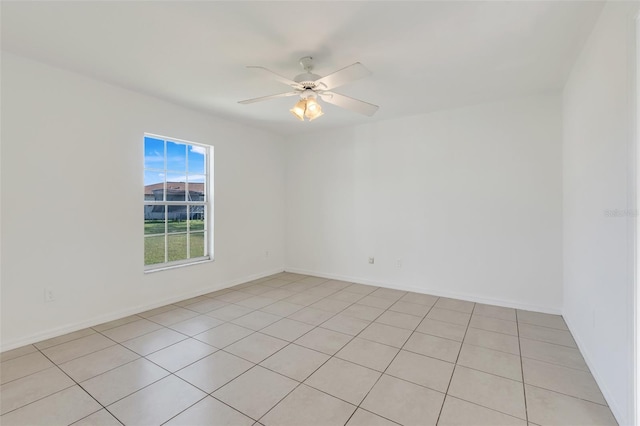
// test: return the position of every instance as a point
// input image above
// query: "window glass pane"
(153, 153)
(153, 185)
(196, 218)
(153, 220)
(196, 188)
(196, 244)
(196, 160)
(154, 250)
(177, 219)
(177, 157)
(177, 247)
(176, 187)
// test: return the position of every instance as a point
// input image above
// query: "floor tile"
(363, 312)
(257, 289)
(256, 302)
(492, 340)
(385, 334)
(131, 330)
(181, 354)
(154, 341)
(422, 370)
(113, 385)
(389, 293)
(365, 418)
(361, 288)
(47, 411)
(64, 338)
(546, 334)
(552, 408)
(191, 301)
(256, 391)
(295, 361)
(278, 294)
(83, 368)
(491, 311)
(368, 354)
(344, 324)
(555, 354)
(287, 329)
(335, 284)
(21, 392)
(376, 302)
(307, 406)
(491, 361)
(282, 308)
(345, 380)
(214, 371)
(156, 403)
(421, 299)
(233, 296)
(576, 383)
(323, 340)
(224, 335)
(455, 305)
(18, 352)
(403, 402)
(346, 296)
(311, 316)
(115, 323)
(99, 418)
(410, 308)
(196, 325)
(497, 393)
(447, 315)
(156, 311)
(331, 305)
(16, 368)
(256, 347)
(256, 320)
(77, 348)
(544, 320)
(442, 329)
(435, 347)
(494, 324)
(173, 316)
(457, 412)
(304, 298)
(229, 312)
(206, 305)
(276, 282)
(210, 412)
(313, 280)
(399, 319)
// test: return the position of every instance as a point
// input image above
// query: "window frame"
(207, 204)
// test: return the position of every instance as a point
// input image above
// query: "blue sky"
(176, 167)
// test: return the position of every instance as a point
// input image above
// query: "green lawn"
(176, 244)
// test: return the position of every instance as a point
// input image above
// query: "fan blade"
(278, 77)
(343, 76)
(349, 103)
(266, 98)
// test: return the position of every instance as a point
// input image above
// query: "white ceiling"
(424, 56)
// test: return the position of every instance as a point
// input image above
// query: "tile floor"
(298, 350)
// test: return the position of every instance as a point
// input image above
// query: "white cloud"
(198, 149)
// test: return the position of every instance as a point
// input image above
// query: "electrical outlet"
(371, 260)
(399, 263)
(48, 295)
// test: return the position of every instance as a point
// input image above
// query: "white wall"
(597, 176)
(469, 200)
(72, 191)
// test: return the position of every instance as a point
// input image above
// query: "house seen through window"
(176, 202)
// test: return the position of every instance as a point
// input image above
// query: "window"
(176, 202)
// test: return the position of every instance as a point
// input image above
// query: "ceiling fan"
(309, 87)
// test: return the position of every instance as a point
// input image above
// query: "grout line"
(524, 388)
(455, 365)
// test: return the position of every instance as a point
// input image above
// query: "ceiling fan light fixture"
(299, 109)
(314, 110)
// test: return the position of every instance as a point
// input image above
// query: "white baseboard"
(59, 331)
(439, 293)
(620, 416)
